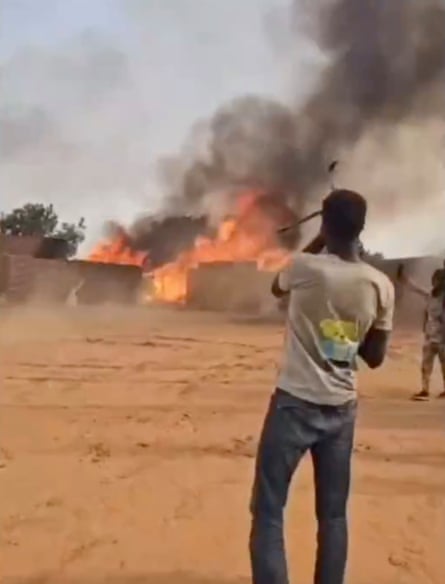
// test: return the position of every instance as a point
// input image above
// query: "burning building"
(245, 242)
(230, 267)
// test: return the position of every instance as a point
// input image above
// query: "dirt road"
(126, 450)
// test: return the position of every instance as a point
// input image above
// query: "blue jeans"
(293, 426)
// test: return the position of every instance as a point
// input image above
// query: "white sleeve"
(291, 276)
(385, 306)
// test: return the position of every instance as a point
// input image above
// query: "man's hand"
(276, 290)
(316, 245)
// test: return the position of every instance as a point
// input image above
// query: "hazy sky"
(94, 91)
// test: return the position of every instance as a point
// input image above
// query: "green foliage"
(31, 219)
(42, 220)
(73, 233)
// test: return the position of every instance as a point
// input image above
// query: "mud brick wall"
(20, 245)
(3, 274)
(106, 282)
(233, 287)
(27, 279)
(53, 281)
(17, 277)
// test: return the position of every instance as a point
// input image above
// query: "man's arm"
(403, 279)
(374, 347)
(278, 289)
(416, 289)
(316, 245)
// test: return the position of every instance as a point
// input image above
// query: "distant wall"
(226, 286)
(36, 246)
(24, 279)
(20, 245)
(242, 287)
(107, 282)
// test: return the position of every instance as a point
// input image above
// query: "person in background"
(433, 329)
(340, 308)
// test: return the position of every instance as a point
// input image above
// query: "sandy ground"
(127, 440)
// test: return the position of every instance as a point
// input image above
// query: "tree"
(73, 233)
(42, 220)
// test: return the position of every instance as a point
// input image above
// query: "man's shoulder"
(319, 261)
(376, 273)
(308, 259)
(304, 263)
(378, 277)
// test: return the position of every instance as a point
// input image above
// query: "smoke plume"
(166, 237)
(386, 66)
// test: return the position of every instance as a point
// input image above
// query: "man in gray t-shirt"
(333, 304)
(339, 309)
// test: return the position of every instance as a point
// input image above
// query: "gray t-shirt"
(332, 306)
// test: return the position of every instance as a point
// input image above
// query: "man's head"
(343, 216)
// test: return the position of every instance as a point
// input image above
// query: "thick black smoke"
(165, 238)
(251, 143)
(386, 67)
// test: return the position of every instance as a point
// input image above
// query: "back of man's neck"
(348, 252)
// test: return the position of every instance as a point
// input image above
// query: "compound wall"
(232, 287)
(241, 287)
(27, 279)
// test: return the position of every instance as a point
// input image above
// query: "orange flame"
(248, 236)
(117, 251)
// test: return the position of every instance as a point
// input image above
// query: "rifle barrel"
(300, 222)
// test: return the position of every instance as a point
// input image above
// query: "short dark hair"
(344, 214)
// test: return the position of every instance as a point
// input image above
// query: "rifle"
(317, 244)
(331, 170)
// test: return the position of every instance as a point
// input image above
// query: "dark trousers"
(293, 426)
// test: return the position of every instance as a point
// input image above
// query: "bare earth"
(127, 440)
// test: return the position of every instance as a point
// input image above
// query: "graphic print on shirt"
(339, 340)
